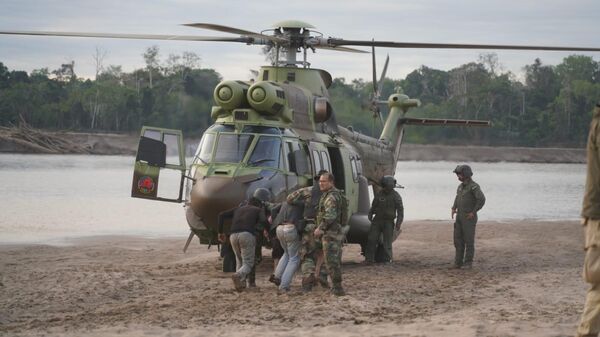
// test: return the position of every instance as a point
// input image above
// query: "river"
(50, 198)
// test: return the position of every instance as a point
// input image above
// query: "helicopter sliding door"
(158, 149)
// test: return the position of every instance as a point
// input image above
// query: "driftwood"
(38, 141)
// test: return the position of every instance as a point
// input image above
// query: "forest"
(550, 106)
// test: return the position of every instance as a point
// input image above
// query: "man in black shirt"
(247, 220)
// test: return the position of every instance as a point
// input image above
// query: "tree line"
(551, 106)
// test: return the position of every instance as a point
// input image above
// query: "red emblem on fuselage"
(146, 185)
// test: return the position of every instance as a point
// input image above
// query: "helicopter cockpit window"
(205, 147)
(261, 129)
(232, 148)
(221, 128)
(266, 153)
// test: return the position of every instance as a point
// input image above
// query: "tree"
(152, 62)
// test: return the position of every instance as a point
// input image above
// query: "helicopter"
(278, 131)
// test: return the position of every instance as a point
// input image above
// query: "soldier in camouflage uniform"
(386, 206)
(590, 319)
(469, 200)
(311, 252)
(329, 227)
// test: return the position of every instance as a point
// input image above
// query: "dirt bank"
(526, 281)
(126, 144)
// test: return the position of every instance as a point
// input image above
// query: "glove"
(370, 216)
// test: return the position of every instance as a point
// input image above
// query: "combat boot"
(308, 283)
(337, 290)
(323, 281)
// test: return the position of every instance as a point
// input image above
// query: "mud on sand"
(526, 282)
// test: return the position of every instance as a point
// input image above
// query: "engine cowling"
(231, 95)
(267, 97)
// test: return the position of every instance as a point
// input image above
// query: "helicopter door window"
(206, 146)
(354, 168)
(326, 165)
(289, 155)
(154, 134)
(266, 153)
(317, 161)
(232, 148)
(171, 140)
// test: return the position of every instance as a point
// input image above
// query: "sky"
(522, 22)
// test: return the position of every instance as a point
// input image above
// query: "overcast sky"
(534, 22)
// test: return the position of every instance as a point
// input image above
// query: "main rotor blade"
(227, 29)
(450, 122)
(392, 44)
(137, 36)
(346, 49)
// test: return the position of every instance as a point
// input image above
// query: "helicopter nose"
(212, 195)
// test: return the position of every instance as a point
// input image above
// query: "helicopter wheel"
(228, 258)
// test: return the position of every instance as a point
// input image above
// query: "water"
(48, 198)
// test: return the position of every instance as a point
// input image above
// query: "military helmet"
(388, 182)
(262, 194)
(465, 170)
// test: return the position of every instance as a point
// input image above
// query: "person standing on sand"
(469, 200)
(329, 213)
(386, 207)
(590, 319)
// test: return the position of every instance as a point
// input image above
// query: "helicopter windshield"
(205, 148)
(266, 152)
(231, 148)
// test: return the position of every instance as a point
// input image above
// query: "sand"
(526, 282)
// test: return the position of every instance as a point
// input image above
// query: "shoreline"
(132, 286)
(126, 144)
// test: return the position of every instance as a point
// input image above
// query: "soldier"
(469, 200)
(311, 252)
(386, 206)
(246, 221)
(328, 226)
(590, 319)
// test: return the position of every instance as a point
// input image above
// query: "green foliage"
(552, 107)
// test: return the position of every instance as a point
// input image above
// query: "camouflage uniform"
(469, 199)
(590, 319)
(328, 221)
(385, 206)
(310, 247)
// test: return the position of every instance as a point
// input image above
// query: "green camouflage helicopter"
(278, 131)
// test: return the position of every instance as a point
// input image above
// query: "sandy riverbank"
(526, 282)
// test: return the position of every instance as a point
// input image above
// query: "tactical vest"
(385, 207)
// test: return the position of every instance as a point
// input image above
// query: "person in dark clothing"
(247, 221)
